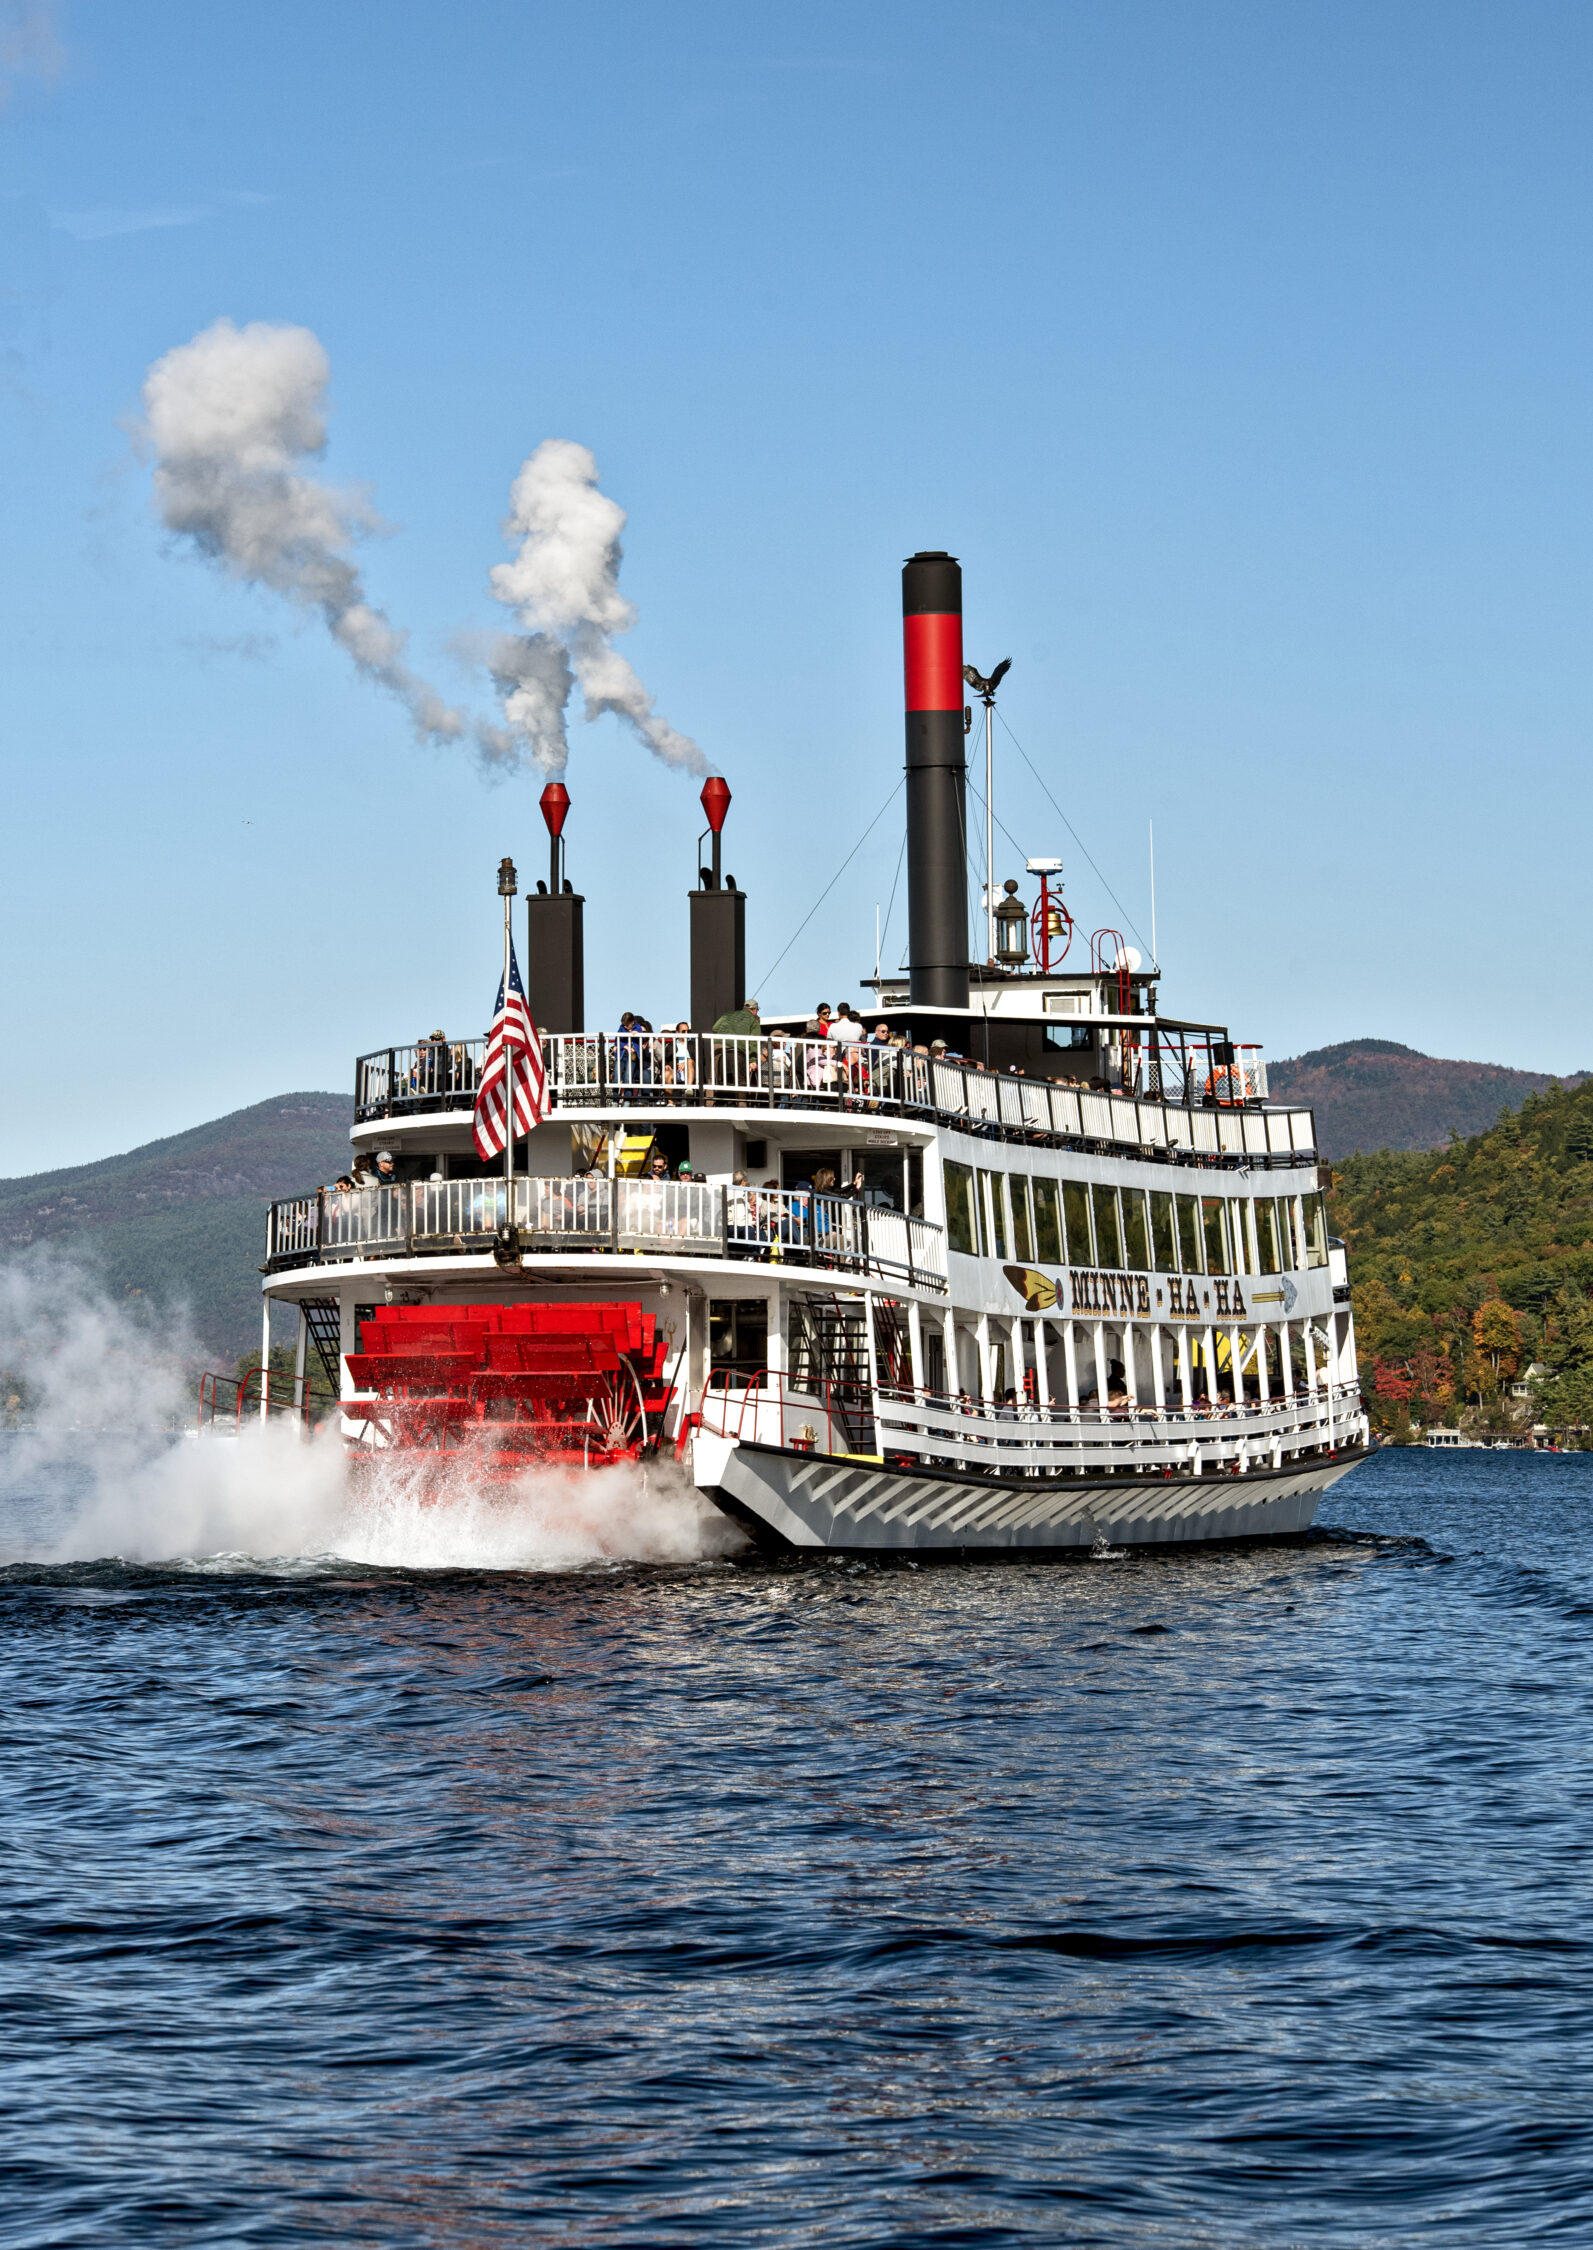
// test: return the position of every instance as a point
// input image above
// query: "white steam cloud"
(563, 586)
(232, 419)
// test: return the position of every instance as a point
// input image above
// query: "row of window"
(1138, 1230)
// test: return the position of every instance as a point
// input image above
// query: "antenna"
(1155, 956)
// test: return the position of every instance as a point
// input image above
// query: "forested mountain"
(1471, 1261)
(1373, 1093)
(181, 1221)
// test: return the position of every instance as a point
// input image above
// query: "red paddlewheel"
(514, 1385)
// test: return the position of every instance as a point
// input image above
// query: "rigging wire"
(1068, 825)
(891, 908)
(829, 886)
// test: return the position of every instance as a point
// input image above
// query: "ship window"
(738, 1335)
(1022, 1229)
(1108, 1235)
(961, 1232)
(1076, 1210)
(1047, 1224)
(1286, 1234)
(1064, 1039)
(1214, 1219)
(1189, 1234)
(1164, 1246)
(1239, 1221)
(1267, 1236)
(1136, 1234)
(1316, 1238)
(995, 1214)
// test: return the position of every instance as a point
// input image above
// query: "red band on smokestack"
(716, 800)
(555, 803)
(932, 646)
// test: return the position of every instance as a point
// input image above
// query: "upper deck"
(1176, 1108)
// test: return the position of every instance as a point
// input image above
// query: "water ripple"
(1224, 1899)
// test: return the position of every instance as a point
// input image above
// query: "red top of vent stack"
(716, 800)
(555, 803)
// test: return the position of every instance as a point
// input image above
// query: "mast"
(506, 891)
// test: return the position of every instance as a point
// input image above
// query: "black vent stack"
(555, 983)
(718, 926)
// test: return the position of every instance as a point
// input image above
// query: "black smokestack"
(937, 814)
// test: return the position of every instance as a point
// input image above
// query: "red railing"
(245, 1402)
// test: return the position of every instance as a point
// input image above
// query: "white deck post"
(1070, 1364)
(1100, 1370)
(1158, 1370)
(1308, 1343)
(1130, 1372)
(953, 1372)
(873, 1362)
(1042, 1373)
(1236, 1360)
(265, 1357)
(915, 1343)
(1263, 1378)
(1020, 1367)
(1186, 1373)
(298, 1369)
(987, 1385)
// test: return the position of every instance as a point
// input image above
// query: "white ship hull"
(808, 1502)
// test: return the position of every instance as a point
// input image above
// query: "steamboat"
(1026, 1266)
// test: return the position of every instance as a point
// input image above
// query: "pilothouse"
(1007, 1261)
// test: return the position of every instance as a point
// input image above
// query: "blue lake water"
(1237, 1898)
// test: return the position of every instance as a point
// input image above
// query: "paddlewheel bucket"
(566, 1385)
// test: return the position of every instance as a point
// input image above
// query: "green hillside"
(1373, 1093)
(181, 1221)
(1470, 1262)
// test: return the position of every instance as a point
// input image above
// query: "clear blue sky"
(1241, 352)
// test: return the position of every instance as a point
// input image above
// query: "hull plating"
(818, 1502)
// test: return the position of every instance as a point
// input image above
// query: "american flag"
(514, 1033)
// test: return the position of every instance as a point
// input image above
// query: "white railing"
(1204, 1106)
(667, 1218)
(984, 1438)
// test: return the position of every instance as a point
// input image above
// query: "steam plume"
(232, 418)
(564, 587)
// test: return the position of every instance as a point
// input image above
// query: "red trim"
(932, 647)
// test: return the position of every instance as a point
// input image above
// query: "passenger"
(820, 1067)
(626, 1070)
(740, 1023)
(384, 1172)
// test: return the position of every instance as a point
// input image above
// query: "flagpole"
(506, 891)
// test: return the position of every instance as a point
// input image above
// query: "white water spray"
(96, 1468)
